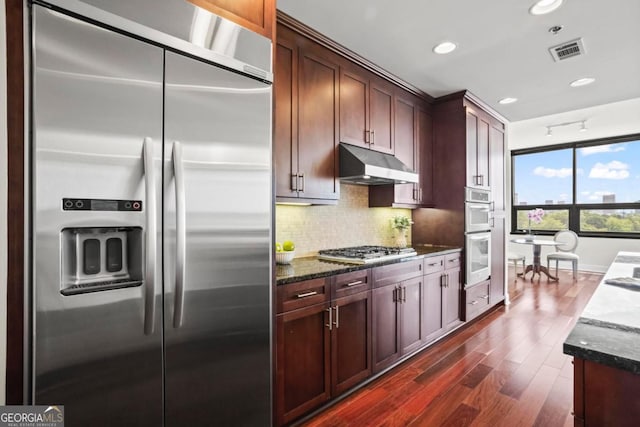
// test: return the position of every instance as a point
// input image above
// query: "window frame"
(574, 208)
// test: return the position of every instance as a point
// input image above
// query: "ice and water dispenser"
(101, 258)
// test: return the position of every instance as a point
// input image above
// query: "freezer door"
(217, 246)
(97, 129)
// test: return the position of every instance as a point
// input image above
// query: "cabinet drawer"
(351, 283)
(476, 300)
(302, 294)
(452, 260)
(394, 273)
(433, 264)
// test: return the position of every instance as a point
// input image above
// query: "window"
(592, 188)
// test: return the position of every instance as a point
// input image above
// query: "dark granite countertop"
(313, 268)
(608, 330)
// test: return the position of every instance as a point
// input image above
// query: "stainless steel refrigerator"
(150, 183)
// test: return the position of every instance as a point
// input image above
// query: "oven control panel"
(69, 204)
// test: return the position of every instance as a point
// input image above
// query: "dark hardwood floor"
(507, 369)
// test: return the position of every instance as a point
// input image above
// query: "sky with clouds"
(603, 172)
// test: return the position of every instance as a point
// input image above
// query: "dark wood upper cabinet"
(412, 142)
(256, 15)
(285, 116)
(381, 116)
(477, 148)
(366, 110)
(406, 147)
(306, 120)
(354, 102)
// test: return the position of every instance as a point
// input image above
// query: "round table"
(536, 267)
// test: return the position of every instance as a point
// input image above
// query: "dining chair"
(516, 258)
(565, 250)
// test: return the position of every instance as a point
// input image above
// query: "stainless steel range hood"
(368, 167)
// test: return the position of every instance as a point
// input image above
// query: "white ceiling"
(502, 49)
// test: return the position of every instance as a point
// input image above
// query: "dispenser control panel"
(101, 205)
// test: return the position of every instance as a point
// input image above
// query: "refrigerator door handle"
(180, 234)
(151, 219)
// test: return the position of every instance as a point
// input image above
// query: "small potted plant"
(401, 224)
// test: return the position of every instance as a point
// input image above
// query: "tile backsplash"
(349, 223)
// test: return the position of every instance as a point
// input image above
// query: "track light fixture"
(582, 123)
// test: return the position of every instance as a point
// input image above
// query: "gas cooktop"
(365, 254)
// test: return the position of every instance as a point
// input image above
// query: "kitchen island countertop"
(608, 330)
(313, 268)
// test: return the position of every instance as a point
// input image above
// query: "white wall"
(619, 118)
(3, 203)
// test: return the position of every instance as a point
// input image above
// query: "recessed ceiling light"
(542, 7)
(582, 82)
(504, 101)
(445, 47)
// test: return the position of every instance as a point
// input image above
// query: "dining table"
(536, 267)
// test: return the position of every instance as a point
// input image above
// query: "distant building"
(561, 202)
(548, 202)
(609, 198)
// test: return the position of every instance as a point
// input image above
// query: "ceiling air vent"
(567, 50)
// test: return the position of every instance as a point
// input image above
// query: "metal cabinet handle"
(447, 276)
(178, 173)
(454, 260)
(442, 280)
(294, 182)
(151, 224)
(485, 297)
(301, 176)
(394, 294)
(415, 193)
(357, 282)
(367, 136)
(420, 194)
(474, 302)
(337, 322)
(404, 294)
(432, 264)
(307, 294)
(330, 324)
(492, 222)
(373, 137)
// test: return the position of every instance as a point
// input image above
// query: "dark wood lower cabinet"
(604, 396)
(411, 311)
(322, 349)
(433, 298)
(397, 321)
(386, 342)
(451, 304)
(350, 341)
(303, 361)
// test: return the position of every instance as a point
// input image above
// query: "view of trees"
(615, 221)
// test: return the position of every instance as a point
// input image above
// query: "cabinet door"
(386, 346)
(351, 341)
(303, 361)
(354, 108)
(451, 304)
(411, 304)
(381, 116)
(483, 153)
(473, 178)
(317, 125)
(285, 138)
(425, 157)
(256, 15)
(497, 168)
(406, 147)
(433, 298)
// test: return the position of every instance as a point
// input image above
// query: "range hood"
(368, 167)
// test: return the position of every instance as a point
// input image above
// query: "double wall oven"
(477, 218)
